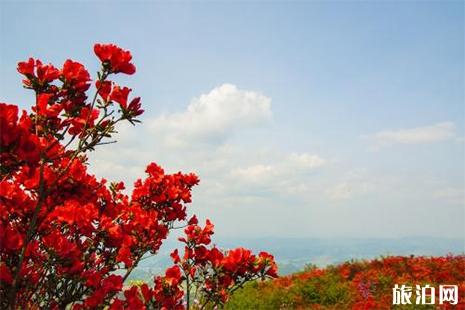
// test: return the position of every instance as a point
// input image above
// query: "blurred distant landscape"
(292, 254)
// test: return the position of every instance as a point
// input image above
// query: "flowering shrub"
(357, 285)
(68, 239)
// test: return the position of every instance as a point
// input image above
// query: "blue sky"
(316, 119)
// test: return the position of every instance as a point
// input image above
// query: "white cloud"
(244, 175)
(306, 160)
(454, 195)
(211, 117)
(287, 171)
(418, 135)
(257, 173)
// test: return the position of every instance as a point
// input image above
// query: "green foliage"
(326, 290)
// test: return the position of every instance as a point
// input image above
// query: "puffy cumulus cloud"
(211, 117)
(201, 130)
(418, 135)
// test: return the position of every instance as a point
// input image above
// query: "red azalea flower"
(237, 260)
(8, 124)
(112, 283)
(215, 256)
(11, 239)
(198, 235)
(26, 67)
(132, 297)
(85, 115)
(175, 256)
(76, 75)
(104, 89)
(46, 107)
(5, 274)
(120, 95)
(173, 275)
(154, 170)
(46, 73)
(117, 59)
(265, 260)
(35, 70)
(134, 107)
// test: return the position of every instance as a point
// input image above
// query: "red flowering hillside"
(357, 285)
(69, 240)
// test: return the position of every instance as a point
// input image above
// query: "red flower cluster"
(115, 58)
(203, 276)
(37, 73)
(75, 76)
(358, 285)
(216, 274)
(18, 142)
(69, 240)
(120, 95)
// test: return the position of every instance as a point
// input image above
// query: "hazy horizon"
(293, 254)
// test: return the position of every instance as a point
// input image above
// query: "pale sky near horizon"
(313, 119)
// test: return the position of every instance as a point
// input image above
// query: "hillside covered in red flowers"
(358, 285)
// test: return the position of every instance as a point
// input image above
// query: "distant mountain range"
(292, 254)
